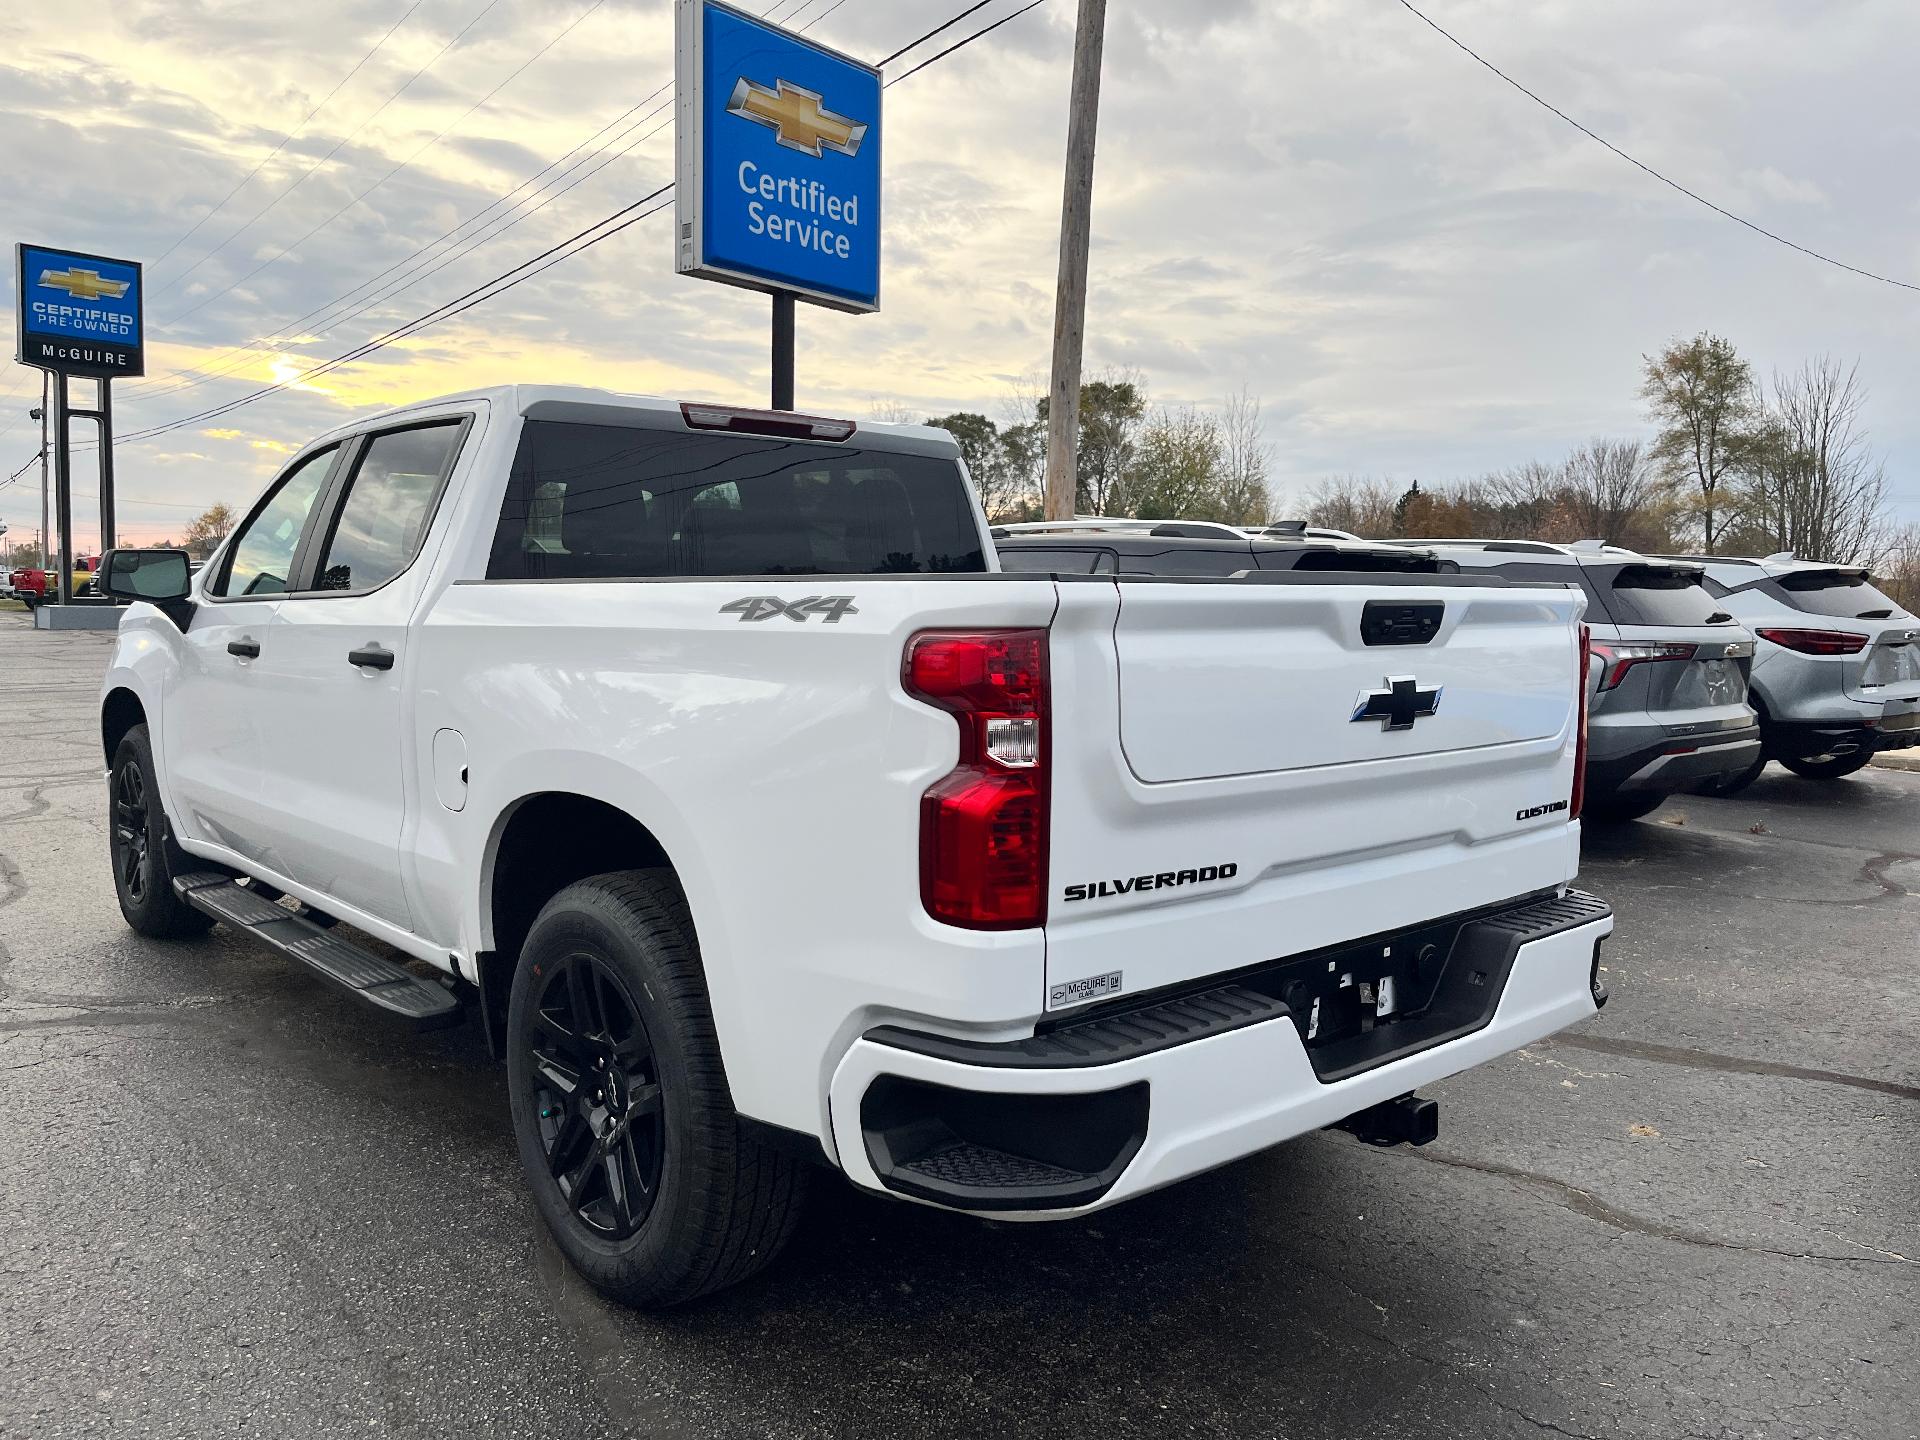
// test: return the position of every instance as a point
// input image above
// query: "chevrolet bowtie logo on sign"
(795, 116)
(84, 284)
(78, 314)
(779, 149)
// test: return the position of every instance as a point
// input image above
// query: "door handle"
(245, 649)
(373, 657)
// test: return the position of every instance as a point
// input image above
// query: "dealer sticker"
(1078, 992)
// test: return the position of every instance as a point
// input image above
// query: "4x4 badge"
(1399, 705)
(765, 607)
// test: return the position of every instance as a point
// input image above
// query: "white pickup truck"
(707, 754)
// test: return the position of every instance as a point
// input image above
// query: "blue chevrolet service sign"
(79, 313)
(779, 160)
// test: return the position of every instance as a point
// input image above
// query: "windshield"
(1836, 593)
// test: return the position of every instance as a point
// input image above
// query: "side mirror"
(152, 575)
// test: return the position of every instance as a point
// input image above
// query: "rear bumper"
(1671, 763)
(1093, 1113)
(1893, 732)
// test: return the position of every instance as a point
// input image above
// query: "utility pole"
(1070, 301)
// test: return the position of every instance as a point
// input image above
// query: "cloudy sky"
(1420, 272)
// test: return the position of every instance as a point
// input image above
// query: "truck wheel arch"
(119, 713)
(541, 844)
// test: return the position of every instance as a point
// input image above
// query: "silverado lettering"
(1163, 880)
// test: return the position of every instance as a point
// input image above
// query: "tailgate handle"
(1401, 622)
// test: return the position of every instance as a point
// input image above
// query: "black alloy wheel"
(596, 1099)
(132, 843)
(141, 848)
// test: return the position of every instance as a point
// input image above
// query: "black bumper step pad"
(379, 982)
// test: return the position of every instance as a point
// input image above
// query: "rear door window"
(590, 501)
(1656, 595)
(389, 503)
(1834, 593)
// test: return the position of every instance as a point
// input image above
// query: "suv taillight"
(1816, 642)
(1621, 656)
(983, 827)
(1579, 796)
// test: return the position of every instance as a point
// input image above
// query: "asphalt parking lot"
(231, 1202)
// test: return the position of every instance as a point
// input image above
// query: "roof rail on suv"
(1177, 529)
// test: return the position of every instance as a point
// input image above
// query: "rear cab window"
(601, 501)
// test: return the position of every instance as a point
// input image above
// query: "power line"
(603, 229)
(340, 144)
(288, 137)
(352, 308)
(947, 25)
(1640, 165)
(220, 367)
(962, 44)
(285, 250)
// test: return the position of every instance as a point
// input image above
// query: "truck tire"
(1826, 767)
(621, 1109)
(140, 843)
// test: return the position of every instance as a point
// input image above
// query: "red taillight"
(1816, 642)
(983, 828)
(1579, 796)
(1621, 656)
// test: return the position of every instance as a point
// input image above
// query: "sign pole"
(1070, 301)
(103, 419)
(46, 518)
(783, 349)
(63, 484)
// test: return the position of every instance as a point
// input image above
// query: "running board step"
(367, 977)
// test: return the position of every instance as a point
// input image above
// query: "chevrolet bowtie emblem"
(1399, 705)
(84, 284)
(795, 117)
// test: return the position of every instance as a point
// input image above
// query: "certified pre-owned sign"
(79, 313)
(778, 180)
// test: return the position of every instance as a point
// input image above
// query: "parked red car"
(34, 585)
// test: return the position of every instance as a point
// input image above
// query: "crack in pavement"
(1591, 1207)
(1728, 1064)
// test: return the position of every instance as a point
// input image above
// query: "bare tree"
(1812, 483)
(1358, 504)
(1701, 394)
(1610, 486)
(1244, 498)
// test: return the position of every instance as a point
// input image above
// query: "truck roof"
(554, 400)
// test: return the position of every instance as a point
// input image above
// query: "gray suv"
(1667, 685)
(1837, 675)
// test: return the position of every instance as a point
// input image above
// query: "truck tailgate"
(1240, 775)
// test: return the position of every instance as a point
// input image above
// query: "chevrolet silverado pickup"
(767, 825)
